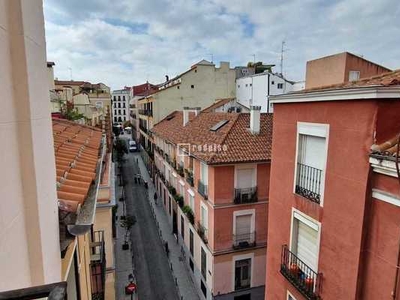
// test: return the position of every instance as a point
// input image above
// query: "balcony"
(98, 265)
(202, 231)
(202, 189)
(303, 278)
(245, 240)
(53, 291)
(245, 195)
(189, 177)
(146, 112)
(308, 182)
(144, 129)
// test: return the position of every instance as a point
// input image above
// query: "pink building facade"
(217, 205)
(332, 217)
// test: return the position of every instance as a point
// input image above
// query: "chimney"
(185, 115)
(255, 119)
(197, 111)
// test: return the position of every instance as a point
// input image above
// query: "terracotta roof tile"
(77, 150)
(218, 103)
(388, 148)
(237, 142)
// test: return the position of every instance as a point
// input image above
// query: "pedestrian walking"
(155, 198)
(166, 248)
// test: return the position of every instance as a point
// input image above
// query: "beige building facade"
(29, 237)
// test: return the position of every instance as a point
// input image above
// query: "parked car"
(132, 146)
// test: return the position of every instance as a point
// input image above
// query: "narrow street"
(151, 266)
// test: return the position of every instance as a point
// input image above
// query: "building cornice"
(345, 94)
(383, 166)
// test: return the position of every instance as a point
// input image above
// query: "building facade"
(339, 68)
(215, 194)
(197, 87)
(333, 219)
(256, 89)
(120, 106)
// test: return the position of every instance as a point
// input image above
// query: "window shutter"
(307, 245)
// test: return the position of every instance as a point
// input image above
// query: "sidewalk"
(185, 285)
(123, 258)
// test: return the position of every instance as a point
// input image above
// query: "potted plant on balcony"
(189, 213)
(294, 269)
(179, 200)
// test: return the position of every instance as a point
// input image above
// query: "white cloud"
(126, 42)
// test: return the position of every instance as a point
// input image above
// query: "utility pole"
(282, 50)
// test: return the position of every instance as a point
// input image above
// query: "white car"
(132, 146)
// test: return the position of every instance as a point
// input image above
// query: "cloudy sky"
(126, 42)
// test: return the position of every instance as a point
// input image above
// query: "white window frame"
(241, 257)
(245, 212)
(191, 194)
(354, 72)
(246, 166)
(314, 224)
(203, 165)
(318, 130)
(203, 206)
(291, 295)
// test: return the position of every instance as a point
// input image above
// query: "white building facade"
(120, 106)
(256, 89)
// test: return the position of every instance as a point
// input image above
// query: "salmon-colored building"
(340, 68)
(212, 177)
(333, 224)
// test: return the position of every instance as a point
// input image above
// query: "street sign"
(130, 288)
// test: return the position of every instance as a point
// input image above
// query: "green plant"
(189, 213)
(172, 190)
(179, 199)
(121, 148)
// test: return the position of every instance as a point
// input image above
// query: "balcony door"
(242, 274)
(243, 230)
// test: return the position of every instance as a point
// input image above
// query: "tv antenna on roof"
(282, 51)
(70, 73)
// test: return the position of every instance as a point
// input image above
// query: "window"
(192, 86)
(191, 201)
(123, 105)
(290, 296)
(191, 242)
(123, 98)
(354, 75)
(238, 85)
(311, 160)
(124, 111)
(272, 82)
(305, 239)
(119, 105)
(245, 185)
(115, 98)
(204, 173)
(247, 85)
(183, 227)
(177, 87)
(119, 111)
(115, 119)
(242, 274)
(251, 84)
(203, 263)
(204, 216)
(191, 264)
(203, 288)
(280, 86)
(169, 205)
(119, 98)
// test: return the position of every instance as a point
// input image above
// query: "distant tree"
(120, 148)
(69, 112)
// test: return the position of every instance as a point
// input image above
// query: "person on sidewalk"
(155, 198)
(166, 248)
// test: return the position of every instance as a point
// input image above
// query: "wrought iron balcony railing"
(98, 265)
(53, 291)
(202, 189)
(189, 177)
(245, 240)
(145, 112)
(245, 195)
(144, 129)
(308, 182)
(305, 280)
